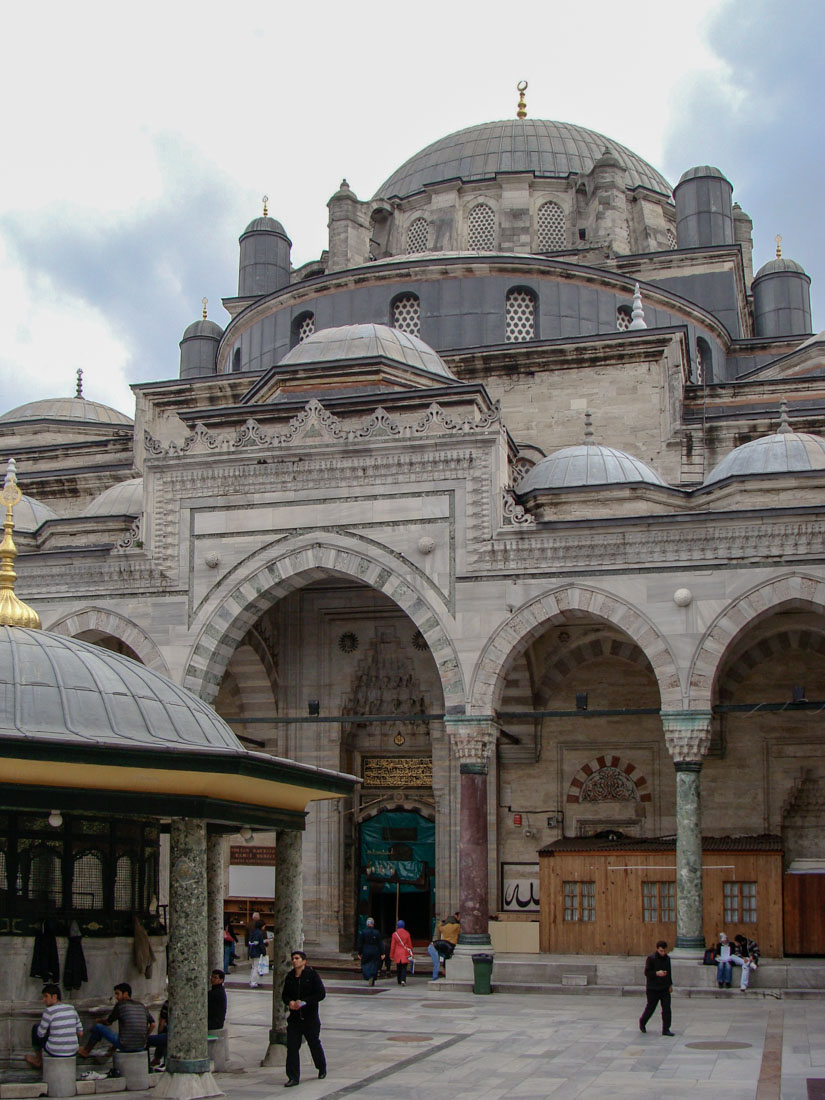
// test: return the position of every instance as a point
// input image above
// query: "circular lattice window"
(550, 225)
(481, 228)
(623, 318)
(406, 314)
(520, 320)
(417, 235)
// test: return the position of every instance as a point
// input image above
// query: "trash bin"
(482, 972)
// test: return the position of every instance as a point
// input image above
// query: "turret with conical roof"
(781, 298)
(199, 347)
(265, 257)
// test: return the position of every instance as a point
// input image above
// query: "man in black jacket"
(659, 987)
(303, 991)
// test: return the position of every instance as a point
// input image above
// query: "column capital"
(473, 739)
(687, 735)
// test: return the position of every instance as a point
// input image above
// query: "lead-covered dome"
(550, 150)
(67, 408)
(330, 345)
(786, 452)
(29, 514)
(123, 499)
(585, 465)
(60, 689)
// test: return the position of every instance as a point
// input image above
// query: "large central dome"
(551, 150)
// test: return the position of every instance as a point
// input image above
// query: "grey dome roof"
(203, 327)
(784, 452)
(702, 171)
(67, 408)
(123, 499)
(781, 264)
(30, 513)
(551, 150)
(367, 341)
(265, 225)
(54, 688)
(584, 465)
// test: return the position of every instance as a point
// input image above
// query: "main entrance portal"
(397, 874)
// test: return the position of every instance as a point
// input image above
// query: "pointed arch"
(107, 623)
(532, 619)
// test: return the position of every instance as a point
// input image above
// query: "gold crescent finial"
(521, 88)
(778, 240)
(204, 303)
(13, 612)
(265, 200)
(79, 387)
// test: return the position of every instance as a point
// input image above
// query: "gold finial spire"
(778, 240)
(521, 110)
(204, 303)
(13, 612)
(265, 200)
(79, 386)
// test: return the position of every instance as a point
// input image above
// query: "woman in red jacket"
(401, 952)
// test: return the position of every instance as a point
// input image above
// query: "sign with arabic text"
(397, 772)
(520, 887)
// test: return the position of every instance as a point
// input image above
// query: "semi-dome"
(30, 513)
(367, 342)
(587, 464)
(785, 452)
(551, 150)
(60, 689)
(203, 327)
(123, 499)
(67, 408)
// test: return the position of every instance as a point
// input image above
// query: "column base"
(460, 967)
(275, 1052)
(688, 947)
(187, 1086)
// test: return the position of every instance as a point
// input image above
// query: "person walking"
(659, 985)
(370, 950)
(302, 993)
(256, 949)
(401, 952)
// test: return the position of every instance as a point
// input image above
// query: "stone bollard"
(60, 1075)
(133, 1068)
(219, 1048)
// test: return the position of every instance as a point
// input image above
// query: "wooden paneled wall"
(619, 927)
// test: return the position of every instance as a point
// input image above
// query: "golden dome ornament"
(13, 612)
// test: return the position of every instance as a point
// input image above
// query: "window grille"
(520, 316)
(481, 228)
(406, 314)
(40, 874)
(417, 235)
(550, 224)
(579, 901)
(624, 316)
(306, 327)
(87, 881)
(4, 882)
(659, 901)
(125, 883)
(236, 360)
(671, 240)
(703, 360)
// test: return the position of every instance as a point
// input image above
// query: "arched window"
(417, 235)
(87, 881)
(236, 360)
(406, 314)
(672, 243)
(125, 883)
(624, 315)
(704, 361)
(40, 874)
(481, 228)
(302, 326)
(520, 315)
(550, 225)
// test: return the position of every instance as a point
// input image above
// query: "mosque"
(509, 505)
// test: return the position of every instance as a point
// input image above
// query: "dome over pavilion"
(30, 513)
(784, 452)
(329, 345)
(67, 408)
(123, 499)
(550, 150)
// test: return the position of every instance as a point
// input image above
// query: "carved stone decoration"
(513, 513)
(348, 642)
(419, 641)
(609, 785)
(473, 740)
(682, 597)
(212, 559)
(426, 544)
(130, 541)
(687, 735)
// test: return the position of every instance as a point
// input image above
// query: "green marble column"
(187, 1063)
(687, 735)
(214, 901)
(289, 923)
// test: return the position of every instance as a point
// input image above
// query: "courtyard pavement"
(409, 1043)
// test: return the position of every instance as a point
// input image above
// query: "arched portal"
(396, 871)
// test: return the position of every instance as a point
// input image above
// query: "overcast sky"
(137, 141)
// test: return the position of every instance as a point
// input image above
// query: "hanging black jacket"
(74, 968)
(45, 962)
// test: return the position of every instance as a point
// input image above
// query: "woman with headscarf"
(370, 951)
(401, 952)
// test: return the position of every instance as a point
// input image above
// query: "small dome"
(584, 465)
(60, 689)
(123, 499)
(702, 171)
(67, 408)
(30, 513)
(550, 150)
(784, 452)
(780, 264)
(265, 225)
(203, 327)
(367, 342)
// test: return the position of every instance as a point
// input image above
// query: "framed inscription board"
(398, 771)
